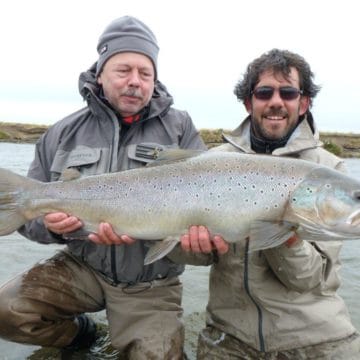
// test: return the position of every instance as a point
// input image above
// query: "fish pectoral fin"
(267, 234)
(160, 249)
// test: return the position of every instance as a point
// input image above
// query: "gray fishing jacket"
(285, 297)
(92, 141)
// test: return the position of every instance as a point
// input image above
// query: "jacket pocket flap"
(80, 156)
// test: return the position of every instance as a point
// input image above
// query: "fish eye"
(357, 195)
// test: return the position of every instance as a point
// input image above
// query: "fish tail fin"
(160, 249)
(12, 187)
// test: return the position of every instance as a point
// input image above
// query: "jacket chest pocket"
(85, 159)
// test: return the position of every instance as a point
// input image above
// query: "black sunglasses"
(267, 92)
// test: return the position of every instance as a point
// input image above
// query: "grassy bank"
(344, 145)
(22, 133)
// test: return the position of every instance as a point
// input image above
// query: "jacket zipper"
(247, 289)
(113, 247)
(114, 150)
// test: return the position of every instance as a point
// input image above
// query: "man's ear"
(248, 106)
(304, 105)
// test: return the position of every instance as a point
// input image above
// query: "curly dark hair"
(281, 62)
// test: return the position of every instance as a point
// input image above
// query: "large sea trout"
(263, 197)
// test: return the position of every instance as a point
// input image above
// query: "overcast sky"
(205, 47)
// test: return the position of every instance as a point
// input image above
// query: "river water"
(18, 254)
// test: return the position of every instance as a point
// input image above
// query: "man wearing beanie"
(128, 118)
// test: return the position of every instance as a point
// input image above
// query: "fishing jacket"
(93, 141)
(285, 297)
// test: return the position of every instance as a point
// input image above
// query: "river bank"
(346, 145)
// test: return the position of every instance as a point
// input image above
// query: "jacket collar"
(304, 137)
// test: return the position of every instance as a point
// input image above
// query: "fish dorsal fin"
(174, 155)
(70, 174)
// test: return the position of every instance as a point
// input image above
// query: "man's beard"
(262, 133)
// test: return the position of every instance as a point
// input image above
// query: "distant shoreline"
(21, 133)
(345, 145)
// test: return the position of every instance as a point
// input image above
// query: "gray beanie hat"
(126, 34)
